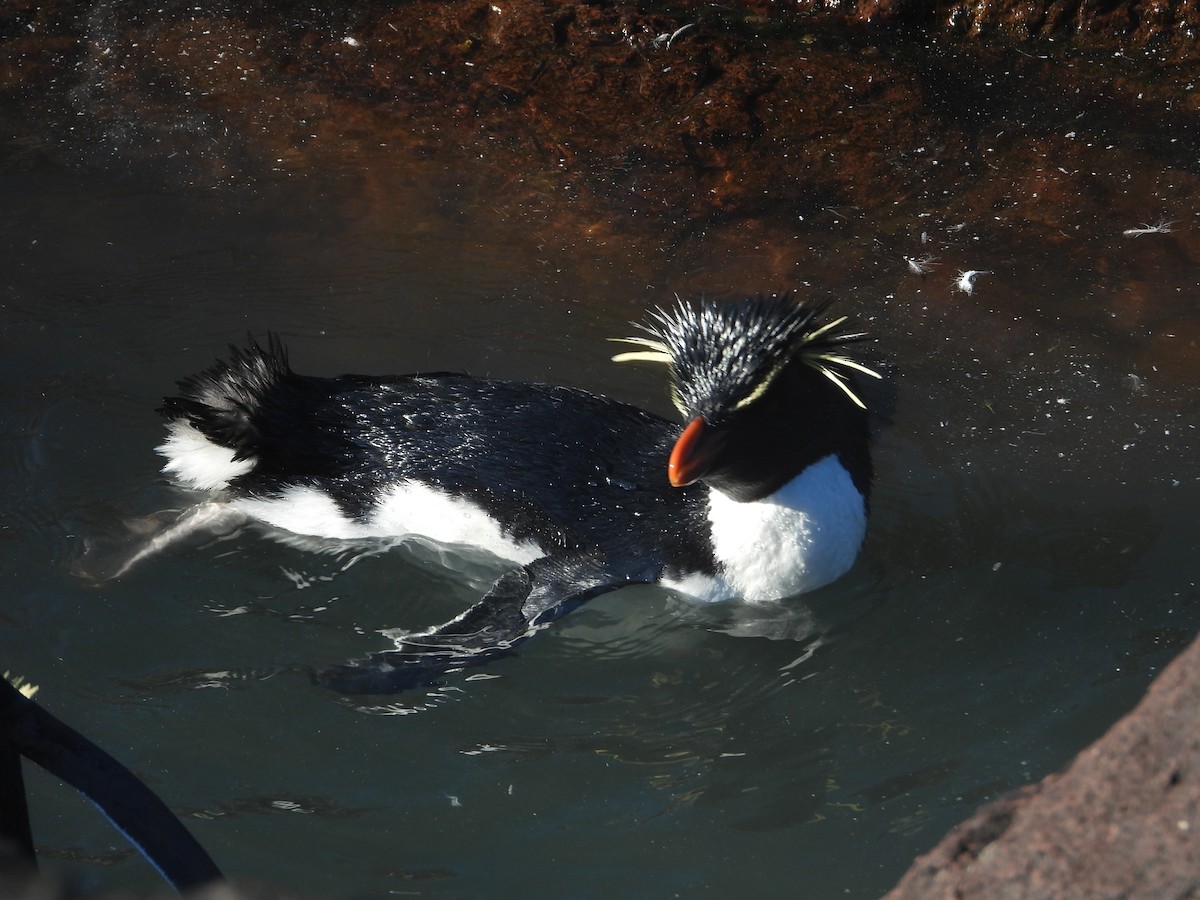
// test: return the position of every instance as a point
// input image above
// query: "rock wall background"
(1119, 822)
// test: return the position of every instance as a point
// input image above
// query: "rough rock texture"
(1167, 26)
(769, 132)
(1122, 821)
(699, 111)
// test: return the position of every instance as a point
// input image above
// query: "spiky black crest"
(723, 356)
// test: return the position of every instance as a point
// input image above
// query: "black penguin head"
(763, 384)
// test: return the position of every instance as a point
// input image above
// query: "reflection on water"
(1029, 565)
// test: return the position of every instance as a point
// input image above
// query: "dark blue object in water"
(28, 730)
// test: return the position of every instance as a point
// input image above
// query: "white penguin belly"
(802, 537)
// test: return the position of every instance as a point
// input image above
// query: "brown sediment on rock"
(1167, 28)
(1122, 821)
(805, 134)
(724, 110)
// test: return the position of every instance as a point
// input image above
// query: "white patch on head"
(805, 535)
(197, 462)
(404, 510)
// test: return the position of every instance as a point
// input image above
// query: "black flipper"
(28, 730)
(520, 603)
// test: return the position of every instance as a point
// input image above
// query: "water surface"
(1030, 564)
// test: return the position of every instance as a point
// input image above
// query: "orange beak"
(694, 453)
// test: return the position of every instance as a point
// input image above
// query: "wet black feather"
(567, 468)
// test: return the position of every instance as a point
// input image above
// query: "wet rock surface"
(796, 137)
(681, 115)
(791, 135)
(1121, 821)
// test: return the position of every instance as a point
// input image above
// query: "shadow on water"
(1028, 569)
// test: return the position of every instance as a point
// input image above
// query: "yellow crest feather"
(656, 351)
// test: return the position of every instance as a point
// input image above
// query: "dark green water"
(1030, 565)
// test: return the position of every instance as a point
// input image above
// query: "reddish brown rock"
(800, 137)
(659, 120)
(1122, 821)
